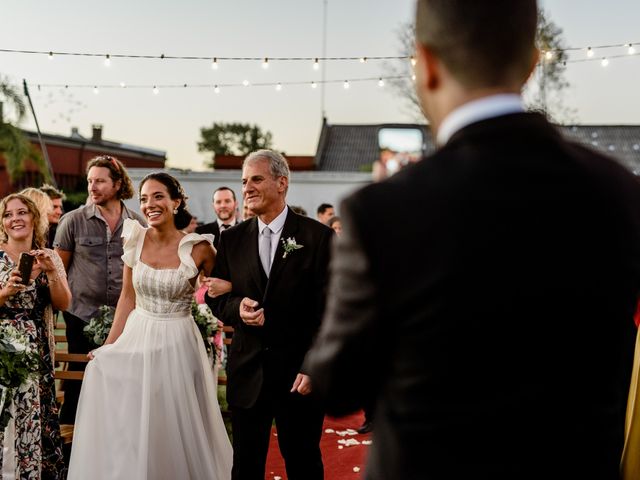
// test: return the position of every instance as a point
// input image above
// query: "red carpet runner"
(339, 463)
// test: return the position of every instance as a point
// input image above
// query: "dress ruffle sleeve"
(131, 233)
(187, 265)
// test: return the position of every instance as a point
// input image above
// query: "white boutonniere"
(290, 245)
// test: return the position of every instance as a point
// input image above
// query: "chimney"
(96, 136)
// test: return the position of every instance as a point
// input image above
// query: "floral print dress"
(38, 445)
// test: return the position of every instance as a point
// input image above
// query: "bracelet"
(54, 279)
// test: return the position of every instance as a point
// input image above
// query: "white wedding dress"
(148, 408)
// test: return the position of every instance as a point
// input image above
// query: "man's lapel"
(279, 261)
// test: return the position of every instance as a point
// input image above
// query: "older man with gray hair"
(277, 263)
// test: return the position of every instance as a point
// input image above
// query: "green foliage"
(14, 146)
(233, 139)
(75, 200)
(98, 327)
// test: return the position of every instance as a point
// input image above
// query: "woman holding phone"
(31, 446)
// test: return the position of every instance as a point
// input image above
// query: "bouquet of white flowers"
(98, 328)
(207, 324)
(19, 361)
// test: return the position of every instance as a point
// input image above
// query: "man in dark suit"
(495, 331)
(277, 264)
(225, 205)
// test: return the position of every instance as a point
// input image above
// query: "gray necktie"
(265, 250)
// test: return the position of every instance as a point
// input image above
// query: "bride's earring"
(175, 211)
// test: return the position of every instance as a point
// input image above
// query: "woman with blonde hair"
(44, 204)
(31, 443)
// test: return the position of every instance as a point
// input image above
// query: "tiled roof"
(353, 148)
(621, 142)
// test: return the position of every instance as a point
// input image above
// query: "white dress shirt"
(276, 226)
(477, 110)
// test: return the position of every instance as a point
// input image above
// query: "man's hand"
(249, 314)
(302, 384)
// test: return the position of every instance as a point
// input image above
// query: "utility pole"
(43, 146)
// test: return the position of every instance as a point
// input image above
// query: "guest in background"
(57, 197)
(336, 224)
(247, 213)
(193, 225)
(31, 445)
(325, 212)
(44, 204)
(225, 205)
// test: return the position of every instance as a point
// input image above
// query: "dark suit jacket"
(293, 298)
(491, 316)
(212, 228)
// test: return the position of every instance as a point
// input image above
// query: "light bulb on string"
(346, 85)
(631, 50)
(214, 64)
(413, 77)
(107, 60)
(548, 55)
(265, 63)
(123, 85)
(363, 59)
(604, 62)
(278, 87)
(314, 85)
(413, 61)
(316, 64)
(245, 83)
(381, 83)
(50, 55)
(96, 91)
(216, 89)
(589, 52)
(155, 90)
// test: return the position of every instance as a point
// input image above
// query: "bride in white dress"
(148, 408)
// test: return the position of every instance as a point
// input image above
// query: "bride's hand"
(216, 286)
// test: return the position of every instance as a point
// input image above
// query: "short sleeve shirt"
(95, 268)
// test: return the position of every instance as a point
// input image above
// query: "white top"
(276, 226)
(477, 110)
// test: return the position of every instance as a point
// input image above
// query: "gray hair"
(278, 166)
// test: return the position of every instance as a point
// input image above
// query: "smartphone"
(25, 265)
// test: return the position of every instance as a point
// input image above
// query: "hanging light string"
(156, 87)
(593, 47)
(263, 60)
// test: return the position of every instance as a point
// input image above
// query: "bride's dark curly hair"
(176, 192)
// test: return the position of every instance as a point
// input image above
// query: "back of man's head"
(483, 44)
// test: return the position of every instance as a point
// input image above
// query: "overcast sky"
(171, 119)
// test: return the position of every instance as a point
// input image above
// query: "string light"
(155, 90)
(316, 64)
(413, 77)
(123, 85)
(278, 87)
(314, 85)
(590, 52)
(214, 64)
(95, 90)
(346, 84)
(363, 59)
(413, 61)
(245, 83)
(604, 62)
(548, 55)
(107, 60)
(50, 55)
(265, 63)
(381, 83)
(631, 50)
(216, 89)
